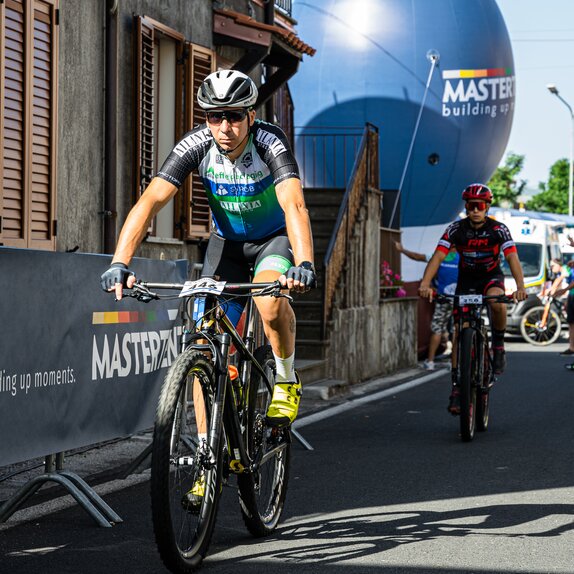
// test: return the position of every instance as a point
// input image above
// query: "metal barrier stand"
(86, 496)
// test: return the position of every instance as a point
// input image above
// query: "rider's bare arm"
(516, 270)
(156, 195)
(431, 270)
(290, 197)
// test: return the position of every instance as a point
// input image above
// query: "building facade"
(93, 96)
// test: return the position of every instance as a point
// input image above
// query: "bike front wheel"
(483, 392)
(468, 365)
(538, 332)
(184, 461)
(262, 492)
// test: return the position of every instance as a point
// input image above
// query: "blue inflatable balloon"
(435, 76)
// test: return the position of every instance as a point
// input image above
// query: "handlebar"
(142, 290)
(443, 298)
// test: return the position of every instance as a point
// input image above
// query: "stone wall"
(369, 336)
(374, 340)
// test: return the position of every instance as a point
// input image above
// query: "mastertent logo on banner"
(487, 92)
(134, 352)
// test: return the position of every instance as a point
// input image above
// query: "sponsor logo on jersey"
(247, 160)
(486, 92)
(221, 190)
(192, 141)
(233, 176)
(238, 207)
(270, 141)
(219, 159)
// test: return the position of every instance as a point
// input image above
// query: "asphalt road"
(388, 488)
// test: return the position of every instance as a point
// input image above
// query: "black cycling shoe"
(454, 401)
(499, 361)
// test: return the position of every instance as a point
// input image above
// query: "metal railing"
(365, 176)
(284, 6)
(326, 155)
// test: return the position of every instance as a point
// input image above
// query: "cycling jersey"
(479, 249)
(241, 193)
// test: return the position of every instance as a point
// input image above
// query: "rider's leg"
(454, 398)
(278, 318)
(279, 325)
(498, 317)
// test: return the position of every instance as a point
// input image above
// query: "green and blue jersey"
(241, 193)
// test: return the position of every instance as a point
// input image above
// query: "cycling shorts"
(479, 283)
(233, 261)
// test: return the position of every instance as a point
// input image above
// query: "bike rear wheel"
(180, 459)
(534, 332)
(468, 368)
(262, 492)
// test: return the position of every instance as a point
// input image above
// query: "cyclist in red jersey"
(479, 241)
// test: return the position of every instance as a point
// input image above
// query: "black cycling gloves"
(117, 273)
(304, 273)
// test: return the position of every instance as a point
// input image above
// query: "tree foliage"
(553, 197)
(504, 183)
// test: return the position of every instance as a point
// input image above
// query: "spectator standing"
(569, 309)
(445, 283)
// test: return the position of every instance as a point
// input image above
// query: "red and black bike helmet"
(477, 191)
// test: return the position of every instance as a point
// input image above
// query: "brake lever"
(141, 293)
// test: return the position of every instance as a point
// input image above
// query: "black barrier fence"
(76, 367)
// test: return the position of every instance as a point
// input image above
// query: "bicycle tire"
(540, 336)
(262, 493)
(468, 368)
(178, 458)
(483, 397)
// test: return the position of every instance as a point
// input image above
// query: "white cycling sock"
(285, 368)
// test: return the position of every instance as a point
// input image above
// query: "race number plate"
(204, 286)
(470, 300)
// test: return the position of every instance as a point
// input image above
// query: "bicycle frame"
(470, 316)
(216, 329)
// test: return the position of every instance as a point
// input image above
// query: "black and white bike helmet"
(227, 89)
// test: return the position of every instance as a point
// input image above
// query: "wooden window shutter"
(145, 98)
(28, 127)
(43, 122)
(13, 230)
(198, 217)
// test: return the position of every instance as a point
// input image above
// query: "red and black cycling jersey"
(479, 248)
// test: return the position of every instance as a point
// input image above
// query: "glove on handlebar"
(304, 273)
(117, 273)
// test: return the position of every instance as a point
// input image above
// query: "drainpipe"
(269, 18)
(109, 213)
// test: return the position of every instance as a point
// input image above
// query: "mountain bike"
(210, 423)
(474, 374)
(541, 325)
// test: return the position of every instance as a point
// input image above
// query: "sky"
(542, 37)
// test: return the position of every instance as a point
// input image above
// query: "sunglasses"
(480, 205)
(232, 117)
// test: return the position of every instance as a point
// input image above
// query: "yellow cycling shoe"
(285, 403)
(192, 500)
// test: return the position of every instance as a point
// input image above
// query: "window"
(198, 217)
(169, 71)
(28, 103)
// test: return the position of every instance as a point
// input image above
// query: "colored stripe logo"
(487, 73)
(115, 317)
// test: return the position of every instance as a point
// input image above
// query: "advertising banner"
(77, 367)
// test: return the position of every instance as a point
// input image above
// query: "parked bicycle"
(210, 424)
(475, 374)
(541, 325)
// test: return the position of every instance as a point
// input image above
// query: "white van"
(537, 242)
